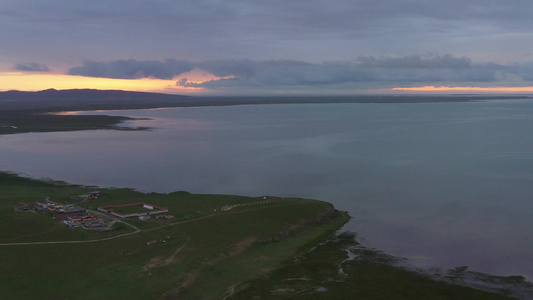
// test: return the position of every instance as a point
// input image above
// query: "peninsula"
(61, 241)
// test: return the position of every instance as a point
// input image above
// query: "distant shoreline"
(87, 99)
(23, 112)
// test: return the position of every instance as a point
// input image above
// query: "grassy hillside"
(205, 247)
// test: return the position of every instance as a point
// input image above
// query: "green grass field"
(208, 247)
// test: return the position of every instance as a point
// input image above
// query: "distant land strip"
(90, 99)
(24, 112)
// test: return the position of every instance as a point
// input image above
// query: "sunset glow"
(25, 81)
(233, 49)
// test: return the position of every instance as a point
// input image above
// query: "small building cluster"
(70, 214)
(88, 222)
(60, 210)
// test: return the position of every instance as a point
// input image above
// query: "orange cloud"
(198, 76)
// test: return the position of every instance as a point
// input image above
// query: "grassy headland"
(203, 245)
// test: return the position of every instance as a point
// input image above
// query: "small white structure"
(148, 206)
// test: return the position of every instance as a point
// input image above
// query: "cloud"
(308, 30)
(278, 72)
(523, 70)
(32, 67)
(446, 61)
(364, 72)
(133, 69)
(182, 82)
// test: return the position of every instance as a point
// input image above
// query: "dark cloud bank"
(133, 69)
(298, 29)
(364, 72)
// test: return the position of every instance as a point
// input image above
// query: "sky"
(275, 47)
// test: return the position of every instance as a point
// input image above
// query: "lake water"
(443, 184)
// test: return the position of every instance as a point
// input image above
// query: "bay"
(442, 184)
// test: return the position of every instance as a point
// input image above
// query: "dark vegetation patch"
(22, 122)
(342, 269)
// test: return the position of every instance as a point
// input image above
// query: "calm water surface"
(446, 184)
